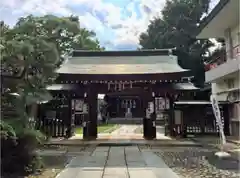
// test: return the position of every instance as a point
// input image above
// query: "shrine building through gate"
(152, 77)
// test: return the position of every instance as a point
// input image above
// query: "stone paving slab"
(158, 166)
(85, 166)
(117, 162)
(136, 164)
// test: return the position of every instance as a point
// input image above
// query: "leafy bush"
(18, 150)
(7, 129)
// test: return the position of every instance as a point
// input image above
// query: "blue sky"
(117, 23)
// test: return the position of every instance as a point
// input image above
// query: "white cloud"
(91, 23)
(36, 6)
(129, 28)
(133, 26)
(126, 30)
(90, 20)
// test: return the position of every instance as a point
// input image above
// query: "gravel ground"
(198, 163)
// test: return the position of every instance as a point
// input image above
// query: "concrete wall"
(220, 77)
(222, 85)
(232, 38)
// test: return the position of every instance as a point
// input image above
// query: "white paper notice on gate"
(151, 107)
(79, 105)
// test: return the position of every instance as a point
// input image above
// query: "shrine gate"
(152, 76)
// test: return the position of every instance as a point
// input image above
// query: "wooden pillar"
(153, 117)
(85, 117)
(144, 107)
(171, 117)
(184, 122)
(200, 110)
(92, 111)
(70, 120)
(149, 122)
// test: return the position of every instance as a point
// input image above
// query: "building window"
(234, 111)
(230, 83)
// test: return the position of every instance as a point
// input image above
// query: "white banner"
(218, 117)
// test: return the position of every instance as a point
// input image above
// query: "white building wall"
(228, 82)
(227, 76)
(235, 34)
(224, 84)
(232, 39)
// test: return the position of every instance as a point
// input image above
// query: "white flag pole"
(218, 117)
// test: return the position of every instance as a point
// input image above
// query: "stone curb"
(234, 142)
(163, 143)
(229, 141)
(215, 146)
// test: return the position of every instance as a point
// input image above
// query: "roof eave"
(147, 52)
(211, 16)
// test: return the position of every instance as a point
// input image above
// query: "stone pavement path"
(125, 129)
(128, 132)
(117, 162)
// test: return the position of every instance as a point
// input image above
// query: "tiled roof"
(121, 65)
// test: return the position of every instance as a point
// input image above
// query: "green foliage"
(178, 27)
(33, 47)
(64, 32)
(15, 124)
(17, 149)
(17, 153)
(31, 135)
(36, 164)
(31, 52)
(7, 129)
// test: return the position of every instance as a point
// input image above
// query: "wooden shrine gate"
(89, 73)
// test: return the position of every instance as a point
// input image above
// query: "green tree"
(64, 32)
(178, 27)
(31, 52)
(36, 45)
